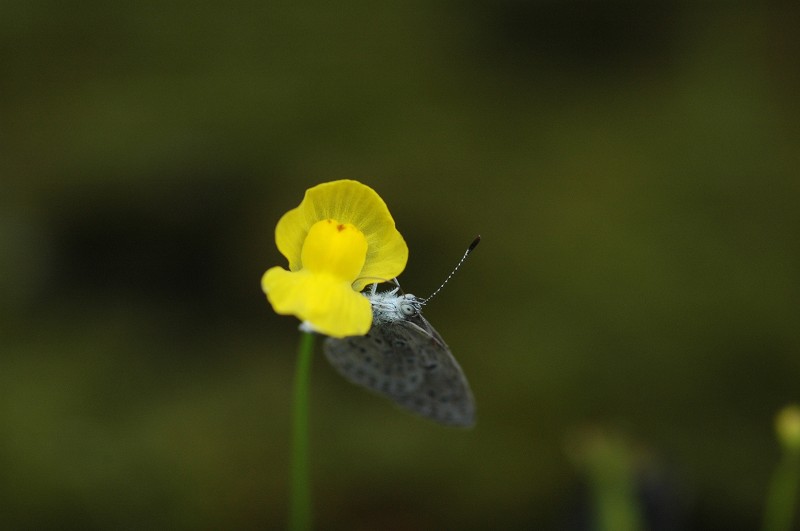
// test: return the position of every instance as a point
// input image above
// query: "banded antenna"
(471, 247)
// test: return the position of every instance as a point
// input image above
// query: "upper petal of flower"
(347, 202)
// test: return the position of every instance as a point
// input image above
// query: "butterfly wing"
(408, 362)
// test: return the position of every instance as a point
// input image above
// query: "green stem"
(782, 494)
(300, 495)
(611, 469)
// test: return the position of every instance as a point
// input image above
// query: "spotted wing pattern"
(408, 362)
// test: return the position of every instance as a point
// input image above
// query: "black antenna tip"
(474, 243)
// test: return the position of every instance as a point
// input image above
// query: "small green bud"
(787, 426)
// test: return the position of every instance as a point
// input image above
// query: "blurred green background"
(633, 170)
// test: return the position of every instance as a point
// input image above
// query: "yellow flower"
(340, 239)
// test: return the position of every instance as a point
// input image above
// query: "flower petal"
(290, 233)
(387, 255)
(335, 248)
(328, 303)
(346, 201)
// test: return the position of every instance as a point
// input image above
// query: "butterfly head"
(388, 306)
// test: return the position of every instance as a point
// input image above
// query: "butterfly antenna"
(471, 247)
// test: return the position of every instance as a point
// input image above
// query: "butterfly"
(405, 359)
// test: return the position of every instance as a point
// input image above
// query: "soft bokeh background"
(633, 169)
